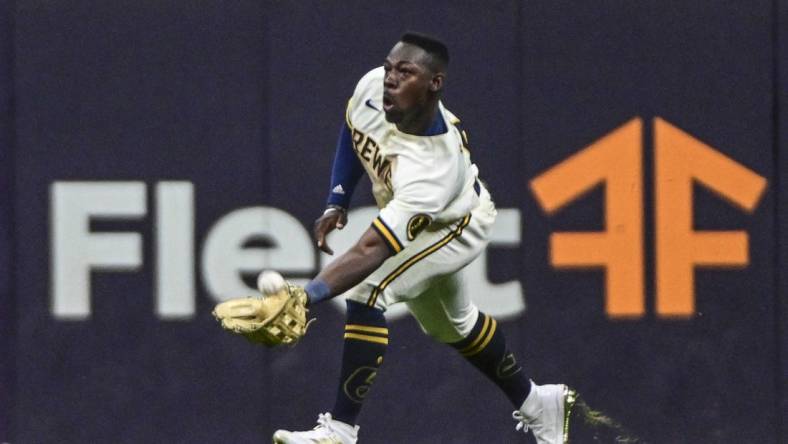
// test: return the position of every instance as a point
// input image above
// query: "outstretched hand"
(332, 218)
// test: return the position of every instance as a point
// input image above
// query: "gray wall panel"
(7, 321)
(781, 151)
(144, 91)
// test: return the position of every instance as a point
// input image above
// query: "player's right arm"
(421, 192)
(345, 174)
(351, 267)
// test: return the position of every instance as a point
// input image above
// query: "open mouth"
(388, 104)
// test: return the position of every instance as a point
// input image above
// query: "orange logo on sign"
(616, 160)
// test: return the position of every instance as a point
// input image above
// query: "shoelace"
(521, 424)
(324, 421)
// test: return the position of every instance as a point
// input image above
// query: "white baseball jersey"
(416, 180)
(434, 214)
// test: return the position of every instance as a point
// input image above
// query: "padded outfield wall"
(155, 155)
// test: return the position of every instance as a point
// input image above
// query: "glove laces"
(521, 421)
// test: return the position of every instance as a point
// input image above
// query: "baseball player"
(435, 218)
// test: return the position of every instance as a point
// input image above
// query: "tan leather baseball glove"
(275, 319)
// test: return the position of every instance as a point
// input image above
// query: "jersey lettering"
(369, 152)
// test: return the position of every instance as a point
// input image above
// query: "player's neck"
(419, 122)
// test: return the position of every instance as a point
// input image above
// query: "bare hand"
(332, 218)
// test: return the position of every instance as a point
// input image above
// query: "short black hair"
(434, 47)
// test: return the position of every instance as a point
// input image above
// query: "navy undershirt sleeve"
(346, 172)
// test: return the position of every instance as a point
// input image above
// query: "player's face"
(406, 85)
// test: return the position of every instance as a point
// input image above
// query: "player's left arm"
(345, 174)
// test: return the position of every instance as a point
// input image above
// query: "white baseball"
(270, 282)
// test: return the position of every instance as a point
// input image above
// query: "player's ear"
(436, 84)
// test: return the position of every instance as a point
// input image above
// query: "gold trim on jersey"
(457, 123)
(416, 258)
(387, 234)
